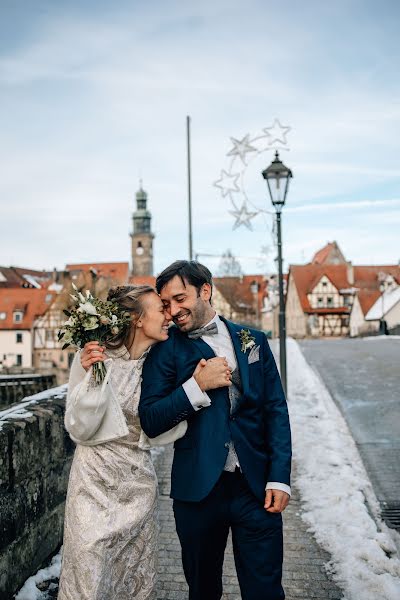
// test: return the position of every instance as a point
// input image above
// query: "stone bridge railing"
(14, 388)
(35, 457)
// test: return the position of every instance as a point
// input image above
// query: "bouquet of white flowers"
(93, 319)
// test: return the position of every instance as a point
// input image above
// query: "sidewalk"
(304, 574)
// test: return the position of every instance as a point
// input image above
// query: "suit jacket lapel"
(241, 357)
(205, 350)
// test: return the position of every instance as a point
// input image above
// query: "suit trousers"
(203, 529)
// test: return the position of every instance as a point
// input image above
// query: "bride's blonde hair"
(130, 299)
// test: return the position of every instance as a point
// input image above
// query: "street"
(363, 377)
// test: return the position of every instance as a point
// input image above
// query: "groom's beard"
(197, 317)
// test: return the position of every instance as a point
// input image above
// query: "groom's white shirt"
(221, 344)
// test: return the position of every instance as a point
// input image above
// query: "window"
(324, 283)
(320, 301)
(329, 301)
(347, 300)
(3, 316)
(18, 338)
(49, 335)
(19, 360)
(18, 316)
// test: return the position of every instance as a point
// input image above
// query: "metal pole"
(282, 317)
(189, 189)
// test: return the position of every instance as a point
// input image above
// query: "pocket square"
(254, 355)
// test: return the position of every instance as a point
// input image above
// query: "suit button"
(232, 418)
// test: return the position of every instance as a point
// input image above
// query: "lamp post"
(277, 176)
(382, 324)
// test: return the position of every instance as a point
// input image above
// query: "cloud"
(94, 98)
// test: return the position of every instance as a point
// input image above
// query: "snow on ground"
(335, 489)
(29, 591)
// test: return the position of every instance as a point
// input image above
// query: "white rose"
(114, 330)
(90, 323)
(88, 308)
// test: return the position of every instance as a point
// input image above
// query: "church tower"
(142, 237)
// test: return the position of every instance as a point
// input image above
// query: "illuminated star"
(243, 217)
(228, 183)
(277, 133)
(241, 148)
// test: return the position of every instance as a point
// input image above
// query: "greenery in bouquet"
(90, 319)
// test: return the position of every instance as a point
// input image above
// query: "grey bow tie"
(211, 329)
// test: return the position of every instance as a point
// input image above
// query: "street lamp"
(277, 176)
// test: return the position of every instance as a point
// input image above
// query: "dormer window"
(18, 316)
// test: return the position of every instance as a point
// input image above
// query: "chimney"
(350, 273)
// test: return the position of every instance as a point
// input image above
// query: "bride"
(110, 529)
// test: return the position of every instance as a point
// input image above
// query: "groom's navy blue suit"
(259, 429)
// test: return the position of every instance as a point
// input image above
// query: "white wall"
(10, 348)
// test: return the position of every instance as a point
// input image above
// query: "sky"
(94, 97)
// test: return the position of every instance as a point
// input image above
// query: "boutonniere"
(248, 341)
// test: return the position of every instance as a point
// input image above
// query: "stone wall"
(35, 457)
(13, 388)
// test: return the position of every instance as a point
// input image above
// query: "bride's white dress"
(110, 531)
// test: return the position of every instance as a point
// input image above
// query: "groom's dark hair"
(190, 271)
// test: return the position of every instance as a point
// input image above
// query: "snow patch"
(335, 487)
(29, 591)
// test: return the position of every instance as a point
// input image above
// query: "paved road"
(363, 376)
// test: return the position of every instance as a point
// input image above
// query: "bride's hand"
(92, 352)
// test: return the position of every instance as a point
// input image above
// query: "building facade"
(330, 297)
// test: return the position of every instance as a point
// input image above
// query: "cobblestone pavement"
(305, 577)
(304, 573)
(363, 377)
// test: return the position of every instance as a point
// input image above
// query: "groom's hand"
(276, 501)
(213, 373)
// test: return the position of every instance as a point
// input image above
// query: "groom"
(232, 468)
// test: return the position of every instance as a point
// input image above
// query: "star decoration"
(277, 133)
(228, 182)
(243, 217)
(241, 148)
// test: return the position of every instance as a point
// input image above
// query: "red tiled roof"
(31, 301)
(367, 276)
(15, 277)
(118, 271)
(321, 256)
(367, 299)
(306, 278)
(142, 280)
(366, 281)
(236, 290)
